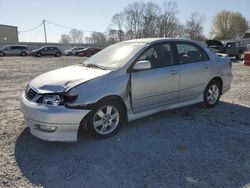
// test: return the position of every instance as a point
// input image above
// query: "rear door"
(52, 51)
(158, 86)
(194, 67)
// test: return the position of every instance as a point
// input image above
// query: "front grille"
(30, 93)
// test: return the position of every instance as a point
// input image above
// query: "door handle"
(206, 66)
(173, 72)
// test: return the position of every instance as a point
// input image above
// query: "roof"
(152, 40)
(8, 25)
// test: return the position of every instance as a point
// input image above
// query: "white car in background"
(72, 51)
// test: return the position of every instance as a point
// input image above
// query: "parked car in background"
(123, 82)
(247, 55)
(231, 48)
(21, 50)
(87, 52)
(72, 51)
(47, 51)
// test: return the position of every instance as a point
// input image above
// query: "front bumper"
(66, 121)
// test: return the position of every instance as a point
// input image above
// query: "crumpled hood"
(60, 80)
(214, 43)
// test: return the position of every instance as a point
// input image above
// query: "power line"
(59, 25)
(24, 31)
(67, 27)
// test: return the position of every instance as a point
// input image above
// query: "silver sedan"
(123, 82)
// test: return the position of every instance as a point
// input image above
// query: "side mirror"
(142, 65)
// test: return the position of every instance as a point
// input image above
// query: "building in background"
(8, 34)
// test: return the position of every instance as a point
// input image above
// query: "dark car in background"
(87, 52)
(21, 50)
(231, 48)
(72, 51)
(47, 51)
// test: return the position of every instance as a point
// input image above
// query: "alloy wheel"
(213, 94)
(106, 119)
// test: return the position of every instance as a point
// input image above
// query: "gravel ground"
(187, 147)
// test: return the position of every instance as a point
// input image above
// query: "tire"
(70, 54)
(239, 56)
(2, 54)
(105, 119)
(23, 54)
(38, 54)
(212, 94)
(57, 54)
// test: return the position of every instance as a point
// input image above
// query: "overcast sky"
(95, 15)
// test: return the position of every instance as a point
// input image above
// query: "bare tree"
(194, 28)
(76, 36)
(98, 38)
(151, 16)
(135, 19)
(168, 20)
(65, 38)
(118, 24)
(229, 25)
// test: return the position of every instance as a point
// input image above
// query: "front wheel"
(38, 54)
(212, 94)
(2, 54)
(106, 119)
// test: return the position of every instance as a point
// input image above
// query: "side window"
(188, 53)
(45, 49)
(160, 55)
(51, 48)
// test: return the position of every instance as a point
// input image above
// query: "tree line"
(148, 19)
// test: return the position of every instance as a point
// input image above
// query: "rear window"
(189, 53)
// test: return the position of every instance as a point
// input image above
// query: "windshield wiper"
(90, 65)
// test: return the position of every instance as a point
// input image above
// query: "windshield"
(115, 56)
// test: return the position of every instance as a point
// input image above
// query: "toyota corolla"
(123, 82)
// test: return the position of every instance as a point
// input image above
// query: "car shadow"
(186, 147)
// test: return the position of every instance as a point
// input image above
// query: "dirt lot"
(187, 147)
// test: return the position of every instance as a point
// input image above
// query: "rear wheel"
(23, 54)
(239, 57)
(2, 54)
(212, 94)
(38, 54)
(106, 119)
(58, 54)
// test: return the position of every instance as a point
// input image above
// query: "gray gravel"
(187, 147)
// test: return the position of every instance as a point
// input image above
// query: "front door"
(158, 86)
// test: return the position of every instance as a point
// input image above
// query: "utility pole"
(44, 28)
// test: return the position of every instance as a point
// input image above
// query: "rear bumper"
(66, 121)
(227, 80)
